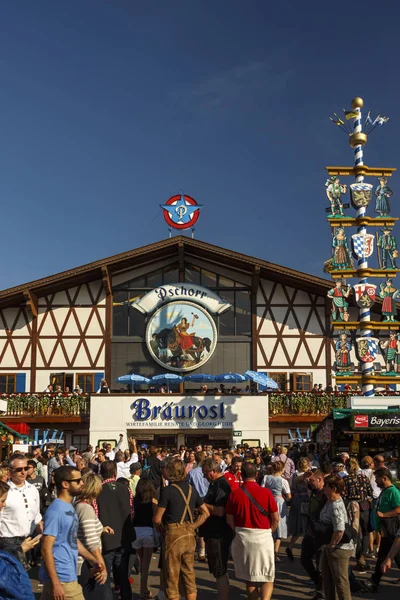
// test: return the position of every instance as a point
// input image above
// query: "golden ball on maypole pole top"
(357, 103)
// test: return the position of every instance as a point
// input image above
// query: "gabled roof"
(176, 246)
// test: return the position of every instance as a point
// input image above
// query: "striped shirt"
(89, 530)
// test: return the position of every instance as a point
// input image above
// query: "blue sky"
(108, 108)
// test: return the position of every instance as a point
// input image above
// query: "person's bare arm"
(394, 550)
(274, 520)
(203, 516)
(230, 519)
(132, 445)
(82, 551)
(391, 513)
(216, 511)
(50, 566)
(157, 519)
(335, 539)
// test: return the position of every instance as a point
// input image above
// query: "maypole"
(357, 141)
(340, 266)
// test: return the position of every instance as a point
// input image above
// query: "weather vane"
(362, 248)
(181, 212)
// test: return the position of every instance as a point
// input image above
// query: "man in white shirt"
(110, 454)
(123, 468)
(21, 515)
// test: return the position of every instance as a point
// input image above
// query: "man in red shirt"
(252, 513)
(233, 476)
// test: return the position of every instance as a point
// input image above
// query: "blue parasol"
(166, 378)
(262, 379)
(230, 378)
(132, 378)
(200, 378)
(270, 384)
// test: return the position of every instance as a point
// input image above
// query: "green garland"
(6, 438)
(305, 403)
(46, 404)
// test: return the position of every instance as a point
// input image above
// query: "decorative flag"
(350, 114)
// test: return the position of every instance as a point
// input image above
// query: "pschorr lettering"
(182, 290)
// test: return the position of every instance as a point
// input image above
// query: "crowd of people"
(88, 521)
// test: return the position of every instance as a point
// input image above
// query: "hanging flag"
(350, 114)
(368, 120)
(379, 121)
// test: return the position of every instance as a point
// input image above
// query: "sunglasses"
(78, 480)
(20, 469)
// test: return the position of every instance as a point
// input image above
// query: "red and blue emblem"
(181, 211)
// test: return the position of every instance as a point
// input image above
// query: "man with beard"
(61, 546)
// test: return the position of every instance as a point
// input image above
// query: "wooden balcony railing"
(45, 405)
(305, 403)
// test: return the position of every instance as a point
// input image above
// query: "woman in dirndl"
(299, 508)
(281, 492)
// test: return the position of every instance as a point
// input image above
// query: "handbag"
(305, 508)
(262, 510)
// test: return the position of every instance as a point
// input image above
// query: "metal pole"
(365, 314)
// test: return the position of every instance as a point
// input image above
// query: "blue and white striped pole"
(365, 314)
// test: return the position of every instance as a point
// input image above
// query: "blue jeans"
(91, 589)
(117, 562)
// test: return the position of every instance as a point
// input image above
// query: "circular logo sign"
(181, 211)
(181, 336)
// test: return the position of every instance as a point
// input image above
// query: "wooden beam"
(361, 170)
(31, 302)
(255, 282)
(328, 347)
(106, 279)
(181, 262)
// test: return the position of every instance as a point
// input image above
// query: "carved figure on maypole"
(339, 295)
(392, 352)
(334, 191)
(341, 258)
(344, 366)
(390, 295)
(383, 193)
(387, 252)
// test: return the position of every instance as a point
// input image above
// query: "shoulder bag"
(390, 525)
(262, 510)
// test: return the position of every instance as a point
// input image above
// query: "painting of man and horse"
(181, 336)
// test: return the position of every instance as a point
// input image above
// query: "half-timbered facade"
(75, 327)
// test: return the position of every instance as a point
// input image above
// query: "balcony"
(33, 408)
(305, 406)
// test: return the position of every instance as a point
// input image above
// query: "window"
(281, 380)
(301, 382)
(236, 320)
(7, 384)
(281, 438)
(120, 313)
(85, 382)
(80, 441)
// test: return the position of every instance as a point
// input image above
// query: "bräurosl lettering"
(166, 413)
(143, 411)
